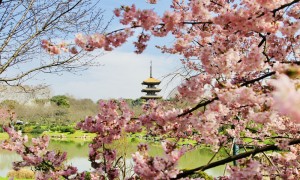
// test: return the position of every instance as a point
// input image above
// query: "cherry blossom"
(152, 1)
(156, 167)
(286, 98)
(48, 164)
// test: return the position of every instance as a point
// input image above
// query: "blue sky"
(122, 71)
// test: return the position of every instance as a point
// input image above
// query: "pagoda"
(151, 90)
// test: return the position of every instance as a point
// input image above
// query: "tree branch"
(160, 24)
(196, 22)
(291, 62)
(263, 39)
(198, 106)
(16, 27)
(257, 79)
(122, 29)
(53, 64)
(24, 27)
(216, 3)
(233, 158)
(60, 15)
(284, 6)
(202, 104)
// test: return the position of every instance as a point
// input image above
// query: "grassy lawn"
(77, 136)
(3, 136)
(80, 136)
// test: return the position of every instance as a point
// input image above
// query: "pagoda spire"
(151, 90)
(151, 69)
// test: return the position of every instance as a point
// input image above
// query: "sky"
(122, 71)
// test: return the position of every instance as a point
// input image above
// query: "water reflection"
(6, 159)
(78, 156)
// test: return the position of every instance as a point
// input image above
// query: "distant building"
(24, 94)
(151, 90)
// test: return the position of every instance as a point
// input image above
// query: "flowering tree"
(244, 55)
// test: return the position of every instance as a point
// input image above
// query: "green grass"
(3, 136)
(266, 142)
(77, 135)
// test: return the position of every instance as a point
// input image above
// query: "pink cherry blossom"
(286, 97)
(152, 1)
(37, 156)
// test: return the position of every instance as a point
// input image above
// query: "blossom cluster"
(286, 97)
(6, 114)
(55, 49)
(113, 119)
(48, 164)
(148, 167)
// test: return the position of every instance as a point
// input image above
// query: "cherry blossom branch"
(266, 55)
(198, 106)
(216, 3)
(263, 39)
(212, 158)
(257, 79)
(266, 137)
(195, 22)
(271, 162)
(160, 24)
(202, 104)
(291, 62)
(233, 158)
(210, 22)
(229, 154)
(122, 29)
(284, 6)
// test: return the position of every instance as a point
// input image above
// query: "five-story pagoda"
(151, 90)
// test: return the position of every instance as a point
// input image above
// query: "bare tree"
(25, 23)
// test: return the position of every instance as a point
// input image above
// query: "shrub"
(87, 176)
(54, 128)
(37, 130)
(10, 104)
(21, 174)
(201, 175)
(134, 140)
(27, 129)
(67, 129)
(63, 129)
(19, 127)
(72, 131)
(61, 101)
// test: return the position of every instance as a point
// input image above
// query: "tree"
(23, 26)
(61, 100)
(245, 56)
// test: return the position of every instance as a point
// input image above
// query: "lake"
(78, 156)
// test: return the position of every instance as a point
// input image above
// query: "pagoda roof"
(151, 89)
(151, 80)
(151, 97)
